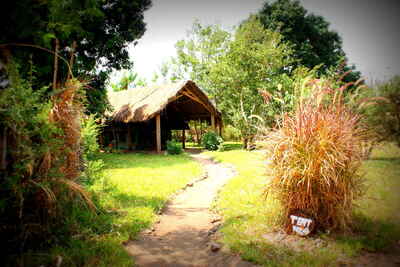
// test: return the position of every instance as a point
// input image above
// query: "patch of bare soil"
(184, 235)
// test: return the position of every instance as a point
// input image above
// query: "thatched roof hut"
(171, 105)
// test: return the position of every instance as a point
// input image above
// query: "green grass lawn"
(133, 189)
(248, 215)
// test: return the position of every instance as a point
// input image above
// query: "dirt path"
(184, 235)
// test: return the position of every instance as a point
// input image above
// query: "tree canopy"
(254, 59)
(129, 79)
(98, 32)
(314, 43)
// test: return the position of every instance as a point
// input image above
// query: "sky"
(370, 30)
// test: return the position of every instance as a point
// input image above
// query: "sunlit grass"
(248, 215)
(133, 189)
(138, 185)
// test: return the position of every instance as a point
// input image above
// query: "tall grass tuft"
(66, 114)
(315, 155)
(39, 186)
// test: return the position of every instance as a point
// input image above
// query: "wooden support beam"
(183, 139)
(129, 137)
(196, 99)
(213, 122)
(158, 132)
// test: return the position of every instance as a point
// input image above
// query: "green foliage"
(90, 131)
(32, 186)
(249, 73)
(27, 134)
(230, 133)
(196, 54)
(173, 147)
(313, 42)
(315, 156)
(102, 35)
(129, 80)
(212, 141)
(253, 60)
(92, 166)
(381, 108)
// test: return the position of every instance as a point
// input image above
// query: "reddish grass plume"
(315, 155)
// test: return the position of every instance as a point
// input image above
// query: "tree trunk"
(158, 133)
(183, 139)
(71, 59)
(57, 45)
(3, 165)
(245, 143)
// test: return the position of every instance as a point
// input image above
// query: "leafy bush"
(173, 147)
(315, 154)
(92, 167)
(212, 141)
(89, 133)
(381, 108)
(231, 133)
(39, 191)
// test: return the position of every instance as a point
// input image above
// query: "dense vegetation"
(313, 42)
(280, 74)
(253, 73)
(315, 155)
(46, 155)
(380, 106)
(97, 33)
(252, 222)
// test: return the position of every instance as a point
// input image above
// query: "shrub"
(173, 147)
(92, 167)
(89, 133)
(315, 154)
(230, 133)
(383, 109)
(39, 166)
(212, 141)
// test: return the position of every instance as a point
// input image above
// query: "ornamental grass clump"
(315, 155)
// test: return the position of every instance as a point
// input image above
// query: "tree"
(96, 32)
(196, 54)
(313, 42)
(255, 58)
(130, 79)
(381, 107)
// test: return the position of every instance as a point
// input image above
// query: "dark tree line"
(97, 32)
(313, 42)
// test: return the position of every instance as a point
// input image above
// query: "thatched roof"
(143, 103)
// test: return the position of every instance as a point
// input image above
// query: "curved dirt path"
(184, 234)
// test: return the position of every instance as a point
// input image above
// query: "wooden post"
(183, 139)
(220, 128)
(213, 122)
(129, 137)
(158, 133)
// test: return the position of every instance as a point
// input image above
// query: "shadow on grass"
(373, 235)
(233, 146)
(385, 159)
(254, 247)
(370, 235)
(96, 239)
(142, 160)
